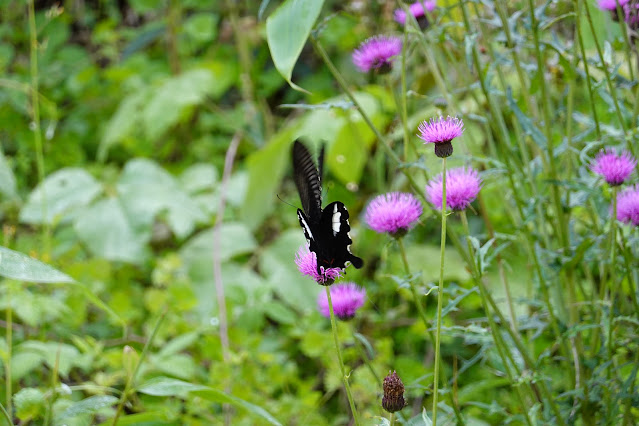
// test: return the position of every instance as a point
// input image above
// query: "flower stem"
(420, 308)
(339, 357)
(391, 420)
(440, 295)
(611, 279)
(9, 340)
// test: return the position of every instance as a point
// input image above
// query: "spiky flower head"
(306, 262)
(393, 399)
(347, 298)
(614, 168)
(441, 131)
(462, 186)
(394, 212)
(378, 53)
(417, 10)
(610, 4)
(628, 205)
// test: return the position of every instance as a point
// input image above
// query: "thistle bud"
(393, 399)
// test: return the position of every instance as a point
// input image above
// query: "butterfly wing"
(308, 182)
(334, 240)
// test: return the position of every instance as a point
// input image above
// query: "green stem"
(339, 358)
(131, 378)
(6, 415)
(391, 419)
(440, 295)
(37, 135)
(612, 278)
(420, 308)
(9, 338)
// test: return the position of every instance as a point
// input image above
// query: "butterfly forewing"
(307, 180)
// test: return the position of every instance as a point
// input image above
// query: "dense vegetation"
(149, 227)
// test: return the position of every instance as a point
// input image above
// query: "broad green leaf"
(234, 239)
(179, 344)
(124, 122)
(280, 313)
(21, 267)
(62, 193)
(110, 233)
(7, 179)
(60, 355)
(219, 396)
(165, 386)
(149, 418)
(145, 190)
(287, 30)
(266, 168)
(202, 27)
(169, 102)
(199, 177)
(29, 403)
(89, 405)
(278, 264)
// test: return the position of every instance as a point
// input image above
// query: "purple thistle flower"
(377, 52)
(628, 205)
(462, 186)
(394, 212)
(417, 10)
(631, 13)
(441, 131)
(347, 298)
(306, 262)
(610, 4)
(614, 168)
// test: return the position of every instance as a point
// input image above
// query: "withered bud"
(393, 399)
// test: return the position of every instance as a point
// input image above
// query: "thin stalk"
(6, 415)
(404, 103)
(131, 379)
(37, 135)
(612, 278)
(584, 58)
(440, 295)
(391, 419)
(366, 359)
(339, 358)
(611, 86)
(632, 283)
(9, 339)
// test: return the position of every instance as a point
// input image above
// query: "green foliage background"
(138, 104)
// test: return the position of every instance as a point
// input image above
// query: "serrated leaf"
(286, 32)
(21, 267)
(89, 405)
(62, 193)
(29, 403)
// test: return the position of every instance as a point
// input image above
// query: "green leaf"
(219, 396)
(287, 30)
(266, 169)
(280, 313)
(109, 232)
(199, 177)
(170, 101)
(124, 122)
(21, 267)
(165, 386)
(234, 239)
(146, 189)
(7, 178)
(29, 403)
(62, 193)
(89, 405)
(202, 27)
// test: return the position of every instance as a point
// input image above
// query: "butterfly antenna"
(285, 202)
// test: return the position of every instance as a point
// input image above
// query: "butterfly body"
(326, 230)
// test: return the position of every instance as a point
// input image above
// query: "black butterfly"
(325, 230)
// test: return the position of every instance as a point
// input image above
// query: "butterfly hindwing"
(334, 229)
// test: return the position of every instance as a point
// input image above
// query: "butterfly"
(326, 230)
